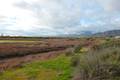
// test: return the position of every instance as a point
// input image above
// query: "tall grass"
(102, 63)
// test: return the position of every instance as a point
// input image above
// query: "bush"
(107, 44)
(77, 48)
(102, 65)
(70, 52)
(75, 61)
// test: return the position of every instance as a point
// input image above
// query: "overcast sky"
(55, 17)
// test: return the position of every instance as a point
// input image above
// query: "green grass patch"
(53, 69)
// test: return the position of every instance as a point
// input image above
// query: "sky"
(57, 17)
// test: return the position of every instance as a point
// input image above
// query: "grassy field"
(88, 59)
(53, 69)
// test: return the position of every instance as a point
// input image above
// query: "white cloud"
(40, 17)
(110, 5)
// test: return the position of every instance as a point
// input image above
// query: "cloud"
(111, 5)
(54, 13)
(54, 17)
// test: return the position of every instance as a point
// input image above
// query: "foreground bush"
(102, 65)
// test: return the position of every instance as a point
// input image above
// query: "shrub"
(77, 48)
(102, 65)
(75, 61)
(70, 52)
(107, 44)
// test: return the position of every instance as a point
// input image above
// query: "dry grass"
(100, 63)
(16, 48)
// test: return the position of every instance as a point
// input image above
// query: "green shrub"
(75, 61)
(77, 49)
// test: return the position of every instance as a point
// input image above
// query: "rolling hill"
(110, 33)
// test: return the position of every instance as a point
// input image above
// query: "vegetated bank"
(99, 62)
(92, 59)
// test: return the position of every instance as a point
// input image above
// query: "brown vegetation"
(14, 54)
(10, 50)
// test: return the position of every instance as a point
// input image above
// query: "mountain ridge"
(109, 33)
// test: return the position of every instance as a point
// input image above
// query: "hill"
(110, 33)
(77, 34)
